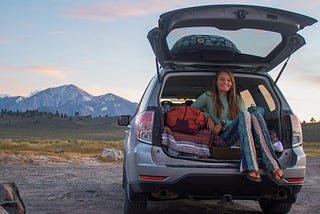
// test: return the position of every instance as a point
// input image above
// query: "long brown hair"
(231, 96)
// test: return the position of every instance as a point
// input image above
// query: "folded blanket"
(198, 144)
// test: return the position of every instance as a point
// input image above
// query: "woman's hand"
(215, 129)
(210, 124)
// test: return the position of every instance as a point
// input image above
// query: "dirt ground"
(52, 185)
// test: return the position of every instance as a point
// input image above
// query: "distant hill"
(70, 100)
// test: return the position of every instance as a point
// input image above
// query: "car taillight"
(152, 177)
(144, 124)
(294, 180)
(296, 131)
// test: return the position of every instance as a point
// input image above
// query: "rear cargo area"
(184, 88)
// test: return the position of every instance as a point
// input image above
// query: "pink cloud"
(57, 72)
(50, 71)
(109, 11)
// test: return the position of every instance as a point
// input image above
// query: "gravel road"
(93, 187)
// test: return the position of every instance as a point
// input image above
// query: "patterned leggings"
(252, 132)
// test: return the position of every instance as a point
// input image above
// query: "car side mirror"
(124, 120)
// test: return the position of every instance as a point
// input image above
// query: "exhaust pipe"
(164, 193)
(226, 198)
(281, 194)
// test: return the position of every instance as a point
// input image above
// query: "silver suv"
(190, 46)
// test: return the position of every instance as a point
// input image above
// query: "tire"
(137, 204)
(275, 206)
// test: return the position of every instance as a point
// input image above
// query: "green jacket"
(204, 103)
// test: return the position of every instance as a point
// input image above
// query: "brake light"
(144, 124)
(296, 131)
(152, 177)
(294, 180)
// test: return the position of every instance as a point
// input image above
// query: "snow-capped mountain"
(70, 100)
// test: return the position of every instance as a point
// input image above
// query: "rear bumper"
(186, 178)
(215, 186)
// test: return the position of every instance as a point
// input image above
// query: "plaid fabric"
(202, 137)
(197, 144)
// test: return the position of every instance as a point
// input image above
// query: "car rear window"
(248, 41)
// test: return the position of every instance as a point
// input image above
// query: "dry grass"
(77, 137)
(50, 151)
(49, 146)
(46, 137)
(312, 149)
(90, 148)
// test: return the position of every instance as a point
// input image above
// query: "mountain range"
(70, 100)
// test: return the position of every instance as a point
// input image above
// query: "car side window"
(268, 98)
(263, 97)
(247, 98)
(146, 95)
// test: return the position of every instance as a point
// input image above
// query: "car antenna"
(282, 69)
(157, 67)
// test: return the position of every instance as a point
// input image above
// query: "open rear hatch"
(252, 37)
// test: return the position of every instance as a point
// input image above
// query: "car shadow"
(203, 207)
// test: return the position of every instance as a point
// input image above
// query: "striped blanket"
(197, 144)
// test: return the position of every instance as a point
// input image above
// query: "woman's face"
(224, 83)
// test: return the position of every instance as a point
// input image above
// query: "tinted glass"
(146, 95)
(248, 41)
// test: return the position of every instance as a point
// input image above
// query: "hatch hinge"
(282, 69)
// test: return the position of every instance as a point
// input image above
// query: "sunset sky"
(101, 47)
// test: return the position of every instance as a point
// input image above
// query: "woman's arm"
(204, 102)
(215, 129)
(201, 101)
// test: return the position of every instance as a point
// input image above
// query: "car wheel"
(136, 204)
(275, 206)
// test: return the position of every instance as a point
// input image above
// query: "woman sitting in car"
(227, 116)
